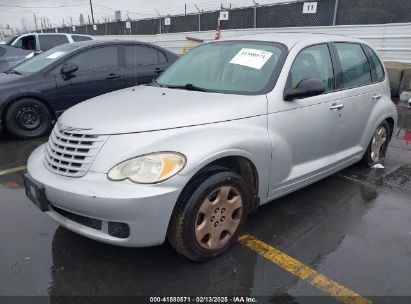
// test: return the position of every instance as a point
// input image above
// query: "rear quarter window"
(376, 65)
(50, 41)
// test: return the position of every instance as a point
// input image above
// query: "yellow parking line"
(12, 170)
(302, 271)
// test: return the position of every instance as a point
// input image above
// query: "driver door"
(99, 72)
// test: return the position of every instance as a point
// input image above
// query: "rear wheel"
(378, 145)
(28, 118)
(209, 216)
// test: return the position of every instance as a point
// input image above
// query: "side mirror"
(305, 88)
(69, 68)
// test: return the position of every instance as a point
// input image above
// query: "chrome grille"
(71, 153)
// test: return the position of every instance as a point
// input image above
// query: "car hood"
(149, 108)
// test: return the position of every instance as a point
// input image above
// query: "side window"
(313, 62)
(77, 38)
(354, 65)
(140, 55)
(376, 64)
(103, 58)
(50, 41)
(26, 43)
(161, 57)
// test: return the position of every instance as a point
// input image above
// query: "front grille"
(71, 153)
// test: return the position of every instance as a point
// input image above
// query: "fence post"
(199, 18)
(335, 12)
(255, 14)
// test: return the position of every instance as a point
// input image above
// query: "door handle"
(159, 70)
(376, 97)
(335, 106)
(113, 76)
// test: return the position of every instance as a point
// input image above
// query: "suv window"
(376, 65)
(26, 43)
(313, 62)
(103, 58)
(140, 55)
(77, 38)
(354, 65)
(50, 41)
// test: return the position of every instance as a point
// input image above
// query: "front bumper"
(146, 209)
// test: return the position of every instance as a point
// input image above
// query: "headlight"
(149, 168)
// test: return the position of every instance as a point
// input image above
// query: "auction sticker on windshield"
(55, 55)
(251, 58)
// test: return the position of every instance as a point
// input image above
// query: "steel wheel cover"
(218, 217)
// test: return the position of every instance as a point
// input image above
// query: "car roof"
(292, 38)
(64, 34)
(83, 44)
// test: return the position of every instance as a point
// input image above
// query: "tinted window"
(376, 64)
(140, 55)
(77, 38)
(161, 57)
(354, 64)
(49, 41)
(313, 62)
(26, 43)
(103, 58)
(232, 66)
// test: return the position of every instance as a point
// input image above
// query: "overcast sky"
(19, 12)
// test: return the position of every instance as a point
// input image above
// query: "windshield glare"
(42, 60)
(242, 67)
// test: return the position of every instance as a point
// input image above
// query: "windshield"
(42, 60)
(239, 67)
(8, 40)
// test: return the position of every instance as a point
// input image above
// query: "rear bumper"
(146, 209)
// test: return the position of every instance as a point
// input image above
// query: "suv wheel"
(28, 118)
(209, 215)
(378, 145)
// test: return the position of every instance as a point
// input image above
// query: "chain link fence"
(328, 12)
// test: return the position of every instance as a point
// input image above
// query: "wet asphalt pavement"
(354, 227)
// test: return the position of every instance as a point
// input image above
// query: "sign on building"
(74, 28)
(95, 27)
(167, 21)
(128, 25)
(310, 8)
(223, 15)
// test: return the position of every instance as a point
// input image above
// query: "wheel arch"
(239, 164)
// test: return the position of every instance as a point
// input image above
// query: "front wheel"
(28, 118)
(209, 216)
(378, 145)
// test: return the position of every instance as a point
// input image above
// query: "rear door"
(142, 64)
(98, 72)
(356, 91)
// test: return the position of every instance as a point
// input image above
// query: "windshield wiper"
(188, 87)
(155, 82)
(13, 72)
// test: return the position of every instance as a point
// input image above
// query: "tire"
(28, 118)
(193, 215)
(378, 145)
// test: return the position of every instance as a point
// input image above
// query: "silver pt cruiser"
(229, 127)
